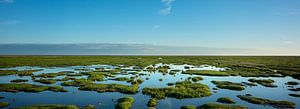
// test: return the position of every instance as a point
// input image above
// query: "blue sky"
(268, 24)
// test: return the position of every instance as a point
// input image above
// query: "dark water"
(107, 100)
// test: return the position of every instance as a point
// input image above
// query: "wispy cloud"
(168, 7)
(6, 1)
(156, 27)
(9, 22)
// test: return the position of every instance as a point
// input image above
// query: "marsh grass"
(206, 72)
(262, 101)
(229, 85)
(184, 89)
(124, 103)
(29, 88)
(264, 82)
(220, 106)
(48, 106)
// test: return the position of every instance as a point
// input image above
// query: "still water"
(107, 100)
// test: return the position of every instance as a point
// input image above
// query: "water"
(107, 100)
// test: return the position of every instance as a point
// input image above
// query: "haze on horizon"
(262, 27)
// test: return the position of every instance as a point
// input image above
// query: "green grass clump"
(16, 72)
(294, 95)
(88, 85)
(225, 100)
(3, 104)
(220, 106)
(89, 107)
(229, 85)
(19, 80)
(184, 89)
(51, 75)
(264, 82)
(46, 81)
(262, 101)
(29, 88)
(196, 79)
(206, 72)
(96, 77)
(49, 106)
(188, 107)
(292, 83)
(121, 79)
(152, 102)
(124, 103)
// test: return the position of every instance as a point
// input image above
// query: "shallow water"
(107, 100)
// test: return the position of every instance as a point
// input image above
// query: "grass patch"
(49, 106)
(46, 81)
(152, 102)
(184, 89)
(124, 103)
(294, 95)
(220, 106)
(51, 75)
(29, 88)
(188, 107)
(264, 82)
(16, 72)
(206, 72)
(19, 80)
(121, 79)
(3, 104)
(229, 85)
(262, 101)
(292, 83)
(88, 85)
(225, 100)
(196, 79)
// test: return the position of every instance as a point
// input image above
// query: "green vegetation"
(46, 81)
(196, 79)
(16, 72)
(51, 75)
(89, 107)
(124, 103)
(229, 85)
(152, 102)
(262, 101)
(239, 65)
(225, 100)
(29, 88)
(295, 89)
(220, 106)
(121, 79)
(264, 82)
(294, 95)
(249, 83)
(3, 104)
(206, 72)
(19, 80)
(88, 85)
(188, 107)
(184, 89)
(292, 83)
(96, 77)
(49, 106)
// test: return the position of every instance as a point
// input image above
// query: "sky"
(273, 25)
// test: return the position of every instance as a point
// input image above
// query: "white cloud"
(168, 9)
(156, 27)
(6, 1)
